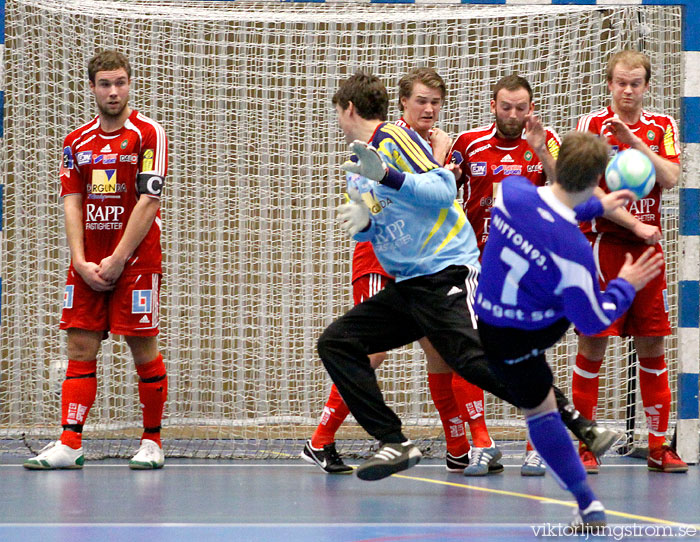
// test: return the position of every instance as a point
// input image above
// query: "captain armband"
(149, 183)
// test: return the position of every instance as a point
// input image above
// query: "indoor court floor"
(292, 501)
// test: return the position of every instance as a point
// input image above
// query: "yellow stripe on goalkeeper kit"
(547, 500)
(410, 147)
(553, 146)
(455, 229)
(441, 219)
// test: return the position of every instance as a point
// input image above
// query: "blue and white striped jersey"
(417, 227)
(538, 267)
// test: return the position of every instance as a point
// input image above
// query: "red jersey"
(364, 260)
(102, 168)
(660, 134)
(485, 160)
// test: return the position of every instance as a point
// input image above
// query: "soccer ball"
(631, 170)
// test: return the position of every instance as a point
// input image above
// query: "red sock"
(470, 399)
(334, 413)
(77, 396)
(153, 391)
(656, 398)
(440, 385)
(584, 386)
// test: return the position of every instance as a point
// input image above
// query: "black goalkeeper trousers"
(434, 306)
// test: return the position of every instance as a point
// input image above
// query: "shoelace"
(333, 454)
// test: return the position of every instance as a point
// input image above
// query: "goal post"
(254, 264)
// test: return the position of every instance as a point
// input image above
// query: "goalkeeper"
(421, 236)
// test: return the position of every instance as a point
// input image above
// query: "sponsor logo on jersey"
(110, 158)
(650, 135)
(507, 158)
(104, 181)
(457, 157)
(478, 169)
(654, 148)
(68, 296)
(375, 205)
(147, 164)
(613, 150)
(534, 168)
(106, 148)
(124, 144)
(84, 157)
(141, 301)
(131, 158)
(103, 217)
(528, 155)
(514, 169)
(66, 162)
(479, 149)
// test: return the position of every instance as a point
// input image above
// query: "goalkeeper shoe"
(590, 461)
(149, 456)
(56, 455)
(327, 458)
(483, 461)
(390, 458)
(533, 465)
(598, 439)
(664, 459)
(588, 520)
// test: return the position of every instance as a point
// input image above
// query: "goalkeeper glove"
(369, 163)
(353, 215)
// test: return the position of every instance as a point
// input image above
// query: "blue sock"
(549, 437)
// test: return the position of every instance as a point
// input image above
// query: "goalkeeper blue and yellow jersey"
(417, 226)
(538, 267)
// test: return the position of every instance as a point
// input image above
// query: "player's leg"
(320, 449)
(518, 358)
(656, 399)
(84, 317)
(134, 313)
(584, 387)
(379, 324)
(448, 406)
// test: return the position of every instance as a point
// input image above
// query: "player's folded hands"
(353, 216)
(369, 162)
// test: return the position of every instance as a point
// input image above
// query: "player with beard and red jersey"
(421, 95)
(516, 143)
(112, 176)
(625, 124)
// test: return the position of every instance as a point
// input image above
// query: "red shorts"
(648, 314)
(130, 309)
(368, 285)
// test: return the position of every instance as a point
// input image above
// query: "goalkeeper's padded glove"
(369, 163)
(353, 215)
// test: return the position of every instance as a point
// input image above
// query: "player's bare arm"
(537, 139)
(441, 144)
(89, 271)
(140, 221)
(648, 233)
(667, 172)
(640, 273)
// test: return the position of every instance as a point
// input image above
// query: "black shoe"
(456, 464)
(598, 439)
(390, 458)
(327, 458)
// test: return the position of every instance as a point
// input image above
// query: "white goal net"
(255, 266)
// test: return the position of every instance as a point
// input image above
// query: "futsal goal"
(255, 266)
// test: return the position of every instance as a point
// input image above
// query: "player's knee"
(82, 345)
